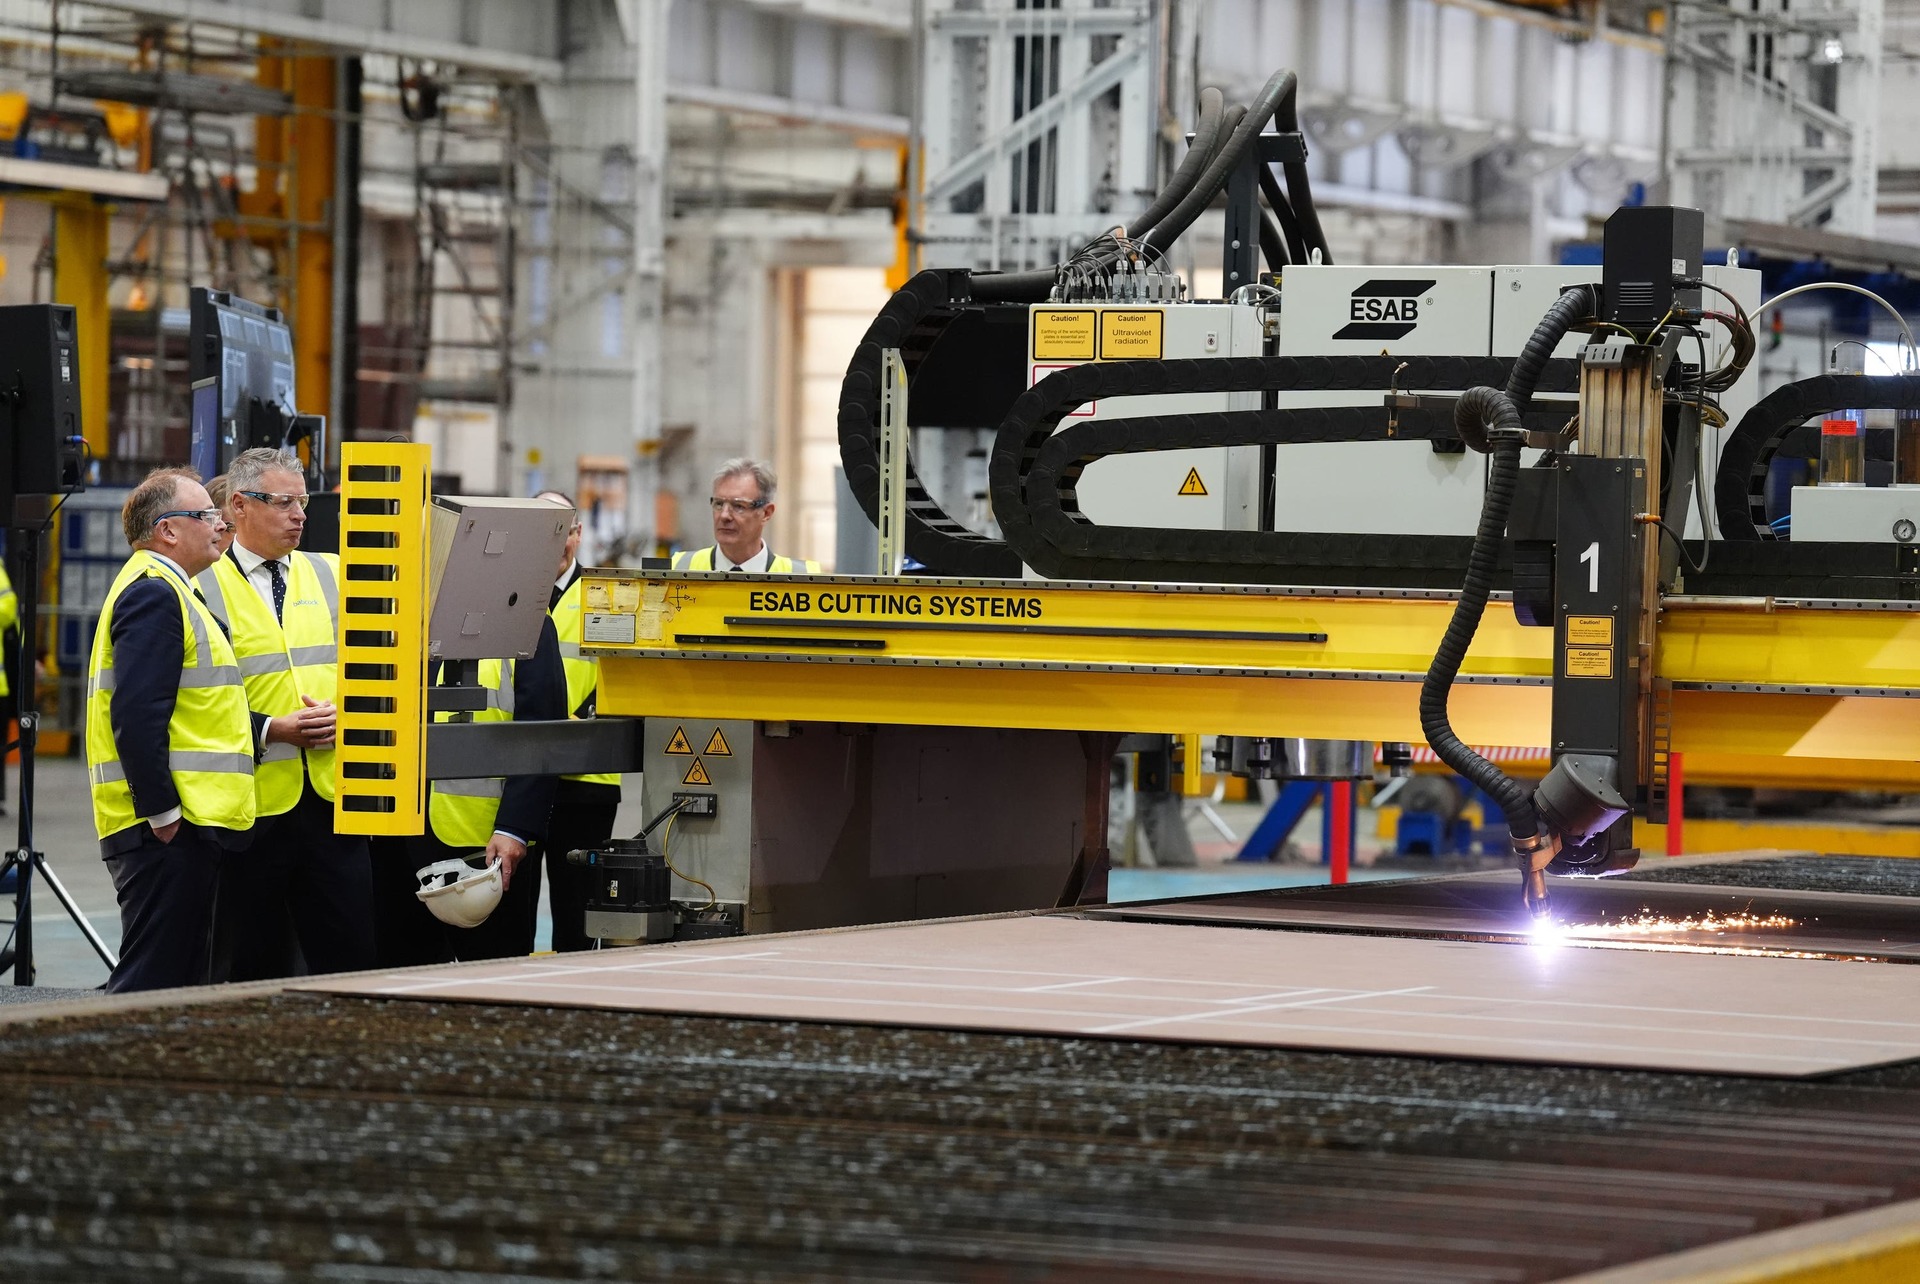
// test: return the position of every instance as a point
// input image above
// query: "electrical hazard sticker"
(1193, 485)
(696, 774)
(717, 745)
(679, 743)
(1589, 662)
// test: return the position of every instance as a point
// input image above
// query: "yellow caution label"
(717, 745)
(1065, 335)
(612, 595)
(1132, 336)
(1589, 662)
(696, 774)
(1590, 630)
(679, 742)
(1193, 485)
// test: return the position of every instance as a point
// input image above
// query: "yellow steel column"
(313, 145)
(80, 280)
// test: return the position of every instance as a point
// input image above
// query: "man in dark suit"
(502, 819)
(169, 738)
(585, 806)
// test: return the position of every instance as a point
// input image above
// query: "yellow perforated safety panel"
(382, 752)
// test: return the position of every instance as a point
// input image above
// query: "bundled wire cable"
(1489, 420)
(1033, 287)
(1281, 87)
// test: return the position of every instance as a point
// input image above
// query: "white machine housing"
(1397, 488)
(1385, 487)
(1215, 489)
(1856, 514)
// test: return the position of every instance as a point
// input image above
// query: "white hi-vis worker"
(210, 736)
(282, 662)
(583, 671)
(462, 812)
(701, 559)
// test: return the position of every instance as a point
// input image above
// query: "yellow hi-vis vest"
(283, 661)
(9, 620)
(701, 559)
(462, 812)
(583, 671)
(210, 738)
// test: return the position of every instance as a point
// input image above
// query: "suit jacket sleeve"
(539, 695)
(149, 648)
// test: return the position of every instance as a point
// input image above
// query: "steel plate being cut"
(1606, 912)
(1064, 974)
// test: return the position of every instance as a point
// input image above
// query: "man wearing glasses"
(742, 503)
(301, 881)
(169, 740)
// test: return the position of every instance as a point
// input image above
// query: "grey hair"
(562, 497)
(152, 497)
(250, 467)
(743, 467)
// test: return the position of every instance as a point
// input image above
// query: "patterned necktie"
(279, 589)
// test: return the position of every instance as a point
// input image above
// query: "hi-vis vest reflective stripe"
(462, 812)
(282, 662)
(701, 559)
(210, 738)
(583, 671)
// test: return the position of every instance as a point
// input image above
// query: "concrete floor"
(64, 831)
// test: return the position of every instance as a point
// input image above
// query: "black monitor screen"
(247, 350)
(205, 451)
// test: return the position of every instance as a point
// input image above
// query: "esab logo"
(1383, 310)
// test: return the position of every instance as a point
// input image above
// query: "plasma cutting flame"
(1648, 924)
(1708, 933)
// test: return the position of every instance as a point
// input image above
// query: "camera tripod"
(24, 859)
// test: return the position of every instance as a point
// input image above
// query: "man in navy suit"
(170, 742)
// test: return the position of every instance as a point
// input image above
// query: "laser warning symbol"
(1193, 485)
(679, 743)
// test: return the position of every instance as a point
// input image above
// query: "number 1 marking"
(1592, 556)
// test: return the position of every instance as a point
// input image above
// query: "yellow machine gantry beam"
(1754, 681)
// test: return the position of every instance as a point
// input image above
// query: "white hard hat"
(459, 893)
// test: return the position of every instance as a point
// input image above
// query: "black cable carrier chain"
(916, 314)
(1035, 466)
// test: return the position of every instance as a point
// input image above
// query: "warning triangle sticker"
(1193, 485)
(679, 742)
(717, 745)
(696, 774)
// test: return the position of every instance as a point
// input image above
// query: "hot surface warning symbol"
(679, 742)
(696, 774)
(1193, 485)
(717, 745)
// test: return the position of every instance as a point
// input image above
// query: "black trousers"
(406, 934)
(583, 815)
(166, 893)
(298, 883)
